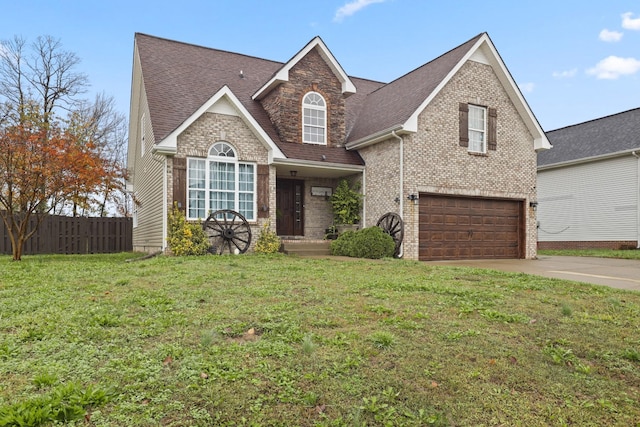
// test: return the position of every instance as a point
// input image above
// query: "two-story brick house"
(450, 147)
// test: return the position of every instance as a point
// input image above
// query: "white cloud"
(630, 23)
(353, 7)
(565, 74)
(527, 87)
(610, 36)
(613, 67)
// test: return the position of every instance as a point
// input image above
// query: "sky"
(574, 61)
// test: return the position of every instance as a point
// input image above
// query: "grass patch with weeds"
(599, 253)
(276, 340)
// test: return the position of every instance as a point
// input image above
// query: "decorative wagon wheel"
(228, 231)
(392, 224)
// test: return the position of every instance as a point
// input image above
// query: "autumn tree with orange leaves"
(58, 152)
(41, 164)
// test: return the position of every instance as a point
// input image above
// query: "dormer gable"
(282, 75)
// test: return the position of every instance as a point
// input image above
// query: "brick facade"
(210, 128)
(430, 160)
(284, 103)
(434, 161)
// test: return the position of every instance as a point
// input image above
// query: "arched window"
(314, 119)
(221, 182)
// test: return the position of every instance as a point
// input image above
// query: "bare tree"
(106, 128)
(42, 72)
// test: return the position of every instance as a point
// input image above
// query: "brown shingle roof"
(604, 136)
(180, 77)
(395, 102)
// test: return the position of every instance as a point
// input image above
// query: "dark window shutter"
(492, 138)
(464, 124)
(180, 183)
(263, 191)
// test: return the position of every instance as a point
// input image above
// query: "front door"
(289, 202)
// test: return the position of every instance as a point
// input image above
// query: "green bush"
(184, 237)
(371, 242)
(268, 242)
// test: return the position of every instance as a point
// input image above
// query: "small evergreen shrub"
(184, 237)
(371, 242)
(268, 241)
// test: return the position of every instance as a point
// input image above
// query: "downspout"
(165, 213)
(401, 184)
(635, 154)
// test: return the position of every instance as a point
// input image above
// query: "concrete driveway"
(616, 273)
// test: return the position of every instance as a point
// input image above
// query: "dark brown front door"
(468, 227)
(289, 202)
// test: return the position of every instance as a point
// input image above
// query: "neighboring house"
(450, 147)
(589, 185)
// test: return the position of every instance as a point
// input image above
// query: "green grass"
(286, 341)
(601, 253)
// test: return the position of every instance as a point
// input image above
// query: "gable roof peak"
(282, 75)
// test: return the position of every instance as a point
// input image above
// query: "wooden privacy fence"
(75, 235)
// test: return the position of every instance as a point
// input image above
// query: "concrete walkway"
(616, 273)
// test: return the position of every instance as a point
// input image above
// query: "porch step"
(306, 247)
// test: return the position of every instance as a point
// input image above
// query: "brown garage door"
(469, 228)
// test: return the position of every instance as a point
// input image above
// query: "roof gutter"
(374, 138)
(316, 164)
(164, 150)
(588, 159)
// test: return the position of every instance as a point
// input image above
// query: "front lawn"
(600, 253)
(286, 341)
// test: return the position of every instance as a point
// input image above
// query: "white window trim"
(483, 131)
(306, 107)
(207, 190)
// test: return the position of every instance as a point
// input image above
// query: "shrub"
(268, 242)
(371, 242)
(184, 237)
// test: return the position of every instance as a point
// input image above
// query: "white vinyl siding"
(595, 201)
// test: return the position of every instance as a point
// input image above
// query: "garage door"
(469, 228)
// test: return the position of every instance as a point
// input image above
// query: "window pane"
(196, 182)
(314, 120)
(245, 182)
(221, 200)
(476, 118)
(196, 173)
(476, 141)
(196, 204)
(222, 149)
(222, 176)
(314, 99)
(246, 186)
(245, 207)
(477, 128)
